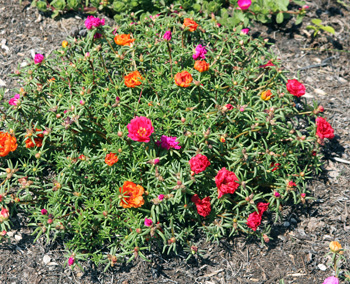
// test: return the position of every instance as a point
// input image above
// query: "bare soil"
(297, 253)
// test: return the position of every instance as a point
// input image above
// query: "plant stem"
(171, 60)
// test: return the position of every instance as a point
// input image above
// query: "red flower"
(229, 106)
(275, 166)
(111, 159)
(226, 182)
(291, 184)
(268, 64)
(199, 163)
(140, 129)
(38, 141)
(254, 219)
(82, 157)
(203, 206)
(296, 88)
(324, 129)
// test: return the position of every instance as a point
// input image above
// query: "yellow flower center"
(142, 131)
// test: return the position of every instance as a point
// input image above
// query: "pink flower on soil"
(140, 129)
(161, 197)
(167, 35)
(331, 280)
(43, 211)
(244, 4)
(38, 58)
(148, 222)
(4, 215)
(71, 261)
(201, 51)
(91, 22)
(13, 101)
(245, 31)
(168, 142)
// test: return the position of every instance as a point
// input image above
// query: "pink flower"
(244, 4)
(4, 215)
(268, 64)
(13, 101)
(71, 261)
(91, 22)
(218, 24)
(3, 233)
(229, 106)
(82, 102)
(277, 194)
(43, 211)
(303, 195)
(97, 35)
(155, 161)
(161, 197)
(245, 31)
(291, 184)
(168, 142)
(296, 88)
(148, 222)
(331, 280)
(87, 54)
(38, 58)
(200, 52)
(115, 31)
(117, 99)
(320, 108)
(140, 129)
(241, 109)
(167, 35)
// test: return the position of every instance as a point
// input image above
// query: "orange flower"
(8, 143)
(183, 79)
(111, 159)
(133, 79)
(64, 44)
(266, 95)
(335, 247)
(123, 40)
(132, 195)
(192, 25)
(38, 141)
(201, 66)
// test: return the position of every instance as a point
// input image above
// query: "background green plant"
(222, 11)
(318, 26)
(83, 196)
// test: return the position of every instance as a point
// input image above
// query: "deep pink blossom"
(245, 31)
(43, 211)
(201, 51)
(168, 142)
(244, 4)
(14, 101)
(229, 106)
(148, 222)
(38, 58)
(161, 197)
(167, 35)
(331, 280)
(92, 21)
(71, 261)
(140, 129)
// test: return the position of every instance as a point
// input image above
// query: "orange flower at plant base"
(336, 247)
(266, 95)
(183, 79)
(8, 143)
(192, 25)
(123, 40)
(64, 44)
(133, 79)
(111, 159)
(38, 140)
(201, 66)
(132, 195)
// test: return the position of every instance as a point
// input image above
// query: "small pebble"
(46, 259)
(322, 267)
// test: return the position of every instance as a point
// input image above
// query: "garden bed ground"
(297, 251)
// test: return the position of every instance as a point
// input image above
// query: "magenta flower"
(331, 280)
(91, 22)
(97, 35)
(244, 4)
(200, 52)
(38, 58)
(168, 142)
(161, 197)
(71, 261)
(43, 211)
(167, 35)
(155, 161)
(277, 195)
(245, 31)
(14, 101)
(148, 222)
(229, 106)
(268, 64)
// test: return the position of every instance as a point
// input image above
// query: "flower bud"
(155, 161)
(266, 238)
(138, 230)
(197, 83)
(71, 261)
(43, 211)
(37, 155)
(303, 195)
(49, 221)
(277, 194)
(120, 134)
(58, 115)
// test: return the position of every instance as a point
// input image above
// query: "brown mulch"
(297, 253)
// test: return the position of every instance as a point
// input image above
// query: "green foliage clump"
(73, 112)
